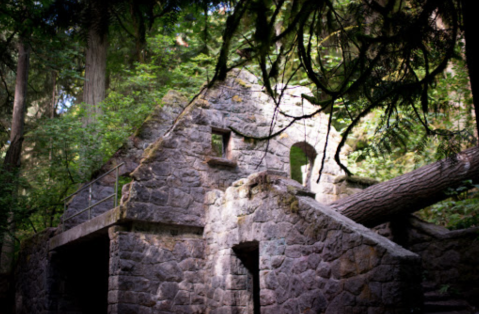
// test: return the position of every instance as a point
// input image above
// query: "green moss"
(237, 98)
(174, 98)
(139, 130)
(290, 201)
(242, 83)
(152, 149)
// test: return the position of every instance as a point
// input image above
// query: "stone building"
(212, 223)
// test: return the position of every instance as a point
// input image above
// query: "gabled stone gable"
(177, 170)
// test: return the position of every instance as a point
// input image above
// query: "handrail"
(90, 206)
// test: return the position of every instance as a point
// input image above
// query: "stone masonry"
(202, 232)
(311, 259)
(130, 154)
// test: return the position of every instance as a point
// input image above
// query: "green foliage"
(217, 145)
(459, 211)
(122, 181)
(11, 198)
(358, 67)
(62, 152)
(297, 159)
(389, 144)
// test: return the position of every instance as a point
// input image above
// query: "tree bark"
(410, 192)
(12, 159)
(468, 15)
(94, 88)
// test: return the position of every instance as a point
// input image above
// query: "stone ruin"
(212, 223)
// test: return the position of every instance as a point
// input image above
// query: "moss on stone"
(148, 119)
(237, 98)
(242, 83)
(203, 103)
(290, 201)
(150, 151)
(174, 98)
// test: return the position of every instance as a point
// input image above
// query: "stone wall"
(311, 259)
(69, 281)
(179, 168)
(450, 259)
(343, 186)
(33, 278)
(131, 153)
(156, 269)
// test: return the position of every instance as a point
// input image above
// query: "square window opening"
(219, 144)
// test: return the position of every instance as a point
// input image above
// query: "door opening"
(85, 272)
(248, 254)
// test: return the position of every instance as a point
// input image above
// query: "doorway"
(248, 254)
(84, 275)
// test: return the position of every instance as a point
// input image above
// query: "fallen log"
(412, 191)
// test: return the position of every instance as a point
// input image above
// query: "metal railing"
(90, 205)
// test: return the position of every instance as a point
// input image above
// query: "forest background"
(87, 74)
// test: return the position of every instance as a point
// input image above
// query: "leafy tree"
(22, 19)
(52, 169)
(357, 56)
(364, 57)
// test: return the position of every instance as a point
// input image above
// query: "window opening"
(219, 143)
(248, 254)
(301, 161)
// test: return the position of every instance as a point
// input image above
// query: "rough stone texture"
(48, 282)
(311, 259)
(191, 223)
(33, 279)
(346, 185)
(170, 184)
(156, 269)
(450, 259)
(131, 153)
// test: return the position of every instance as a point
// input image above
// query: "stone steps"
(449, 305)
(436, 302)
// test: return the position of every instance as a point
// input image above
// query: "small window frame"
(226, 156)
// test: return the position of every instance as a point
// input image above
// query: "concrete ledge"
(94, 225)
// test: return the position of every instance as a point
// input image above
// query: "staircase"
(439, 302)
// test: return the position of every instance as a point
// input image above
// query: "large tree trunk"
(12, 159)
(94, 89)
(410, 192)
(469, 16)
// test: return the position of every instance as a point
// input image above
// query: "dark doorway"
(85, 268)
(248, 254)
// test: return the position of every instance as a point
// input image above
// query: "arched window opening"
(301, 161)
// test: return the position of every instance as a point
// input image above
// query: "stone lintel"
(90, 227)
